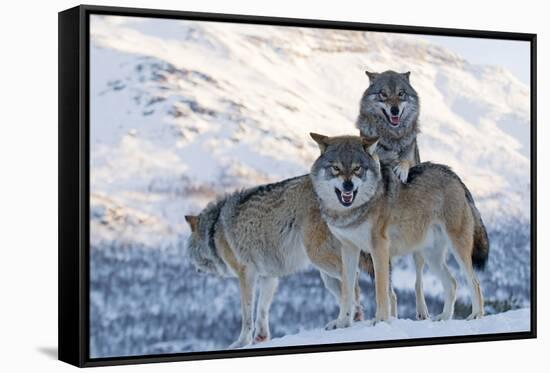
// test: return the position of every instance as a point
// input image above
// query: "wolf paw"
(359, 315)
(475, 316)
(422, 315)
(382, 316)
(259, 338)
(442, 317)
(261, 333)
(331, 325)
(376, 321)
(239, 343)
(402, 170)
(338, 324)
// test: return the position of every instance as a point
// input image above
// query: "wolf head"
(391, 103)
(347, 173)
(201, 248)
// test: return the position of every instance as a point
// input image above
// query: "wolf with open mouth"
(263, 233)
(389, 111)
(374, 212)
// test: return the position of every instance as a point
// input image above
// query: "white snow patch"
(507, 322)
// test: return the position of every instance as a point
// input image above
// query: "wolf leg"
(333, 285)
(247, 282)
(407, 159)
(421, 307)
(350, 260)
(267, 288)
(393, 302)
(477, 297)
(358, 315)
(381, 260)
(441, 271)
(462, 247)
(402, 170)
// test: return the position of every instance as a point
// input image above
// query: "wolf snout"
(394, 117)
(347, 194)
(347, 186)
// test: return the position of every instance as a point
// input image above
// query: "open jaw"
(392, 119)
(345, 198)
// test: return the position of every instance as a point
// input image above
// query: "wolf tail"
(480, 251)
(365, 263)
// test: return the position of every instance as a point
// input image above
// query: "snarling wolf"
(389, 111)
(368, 209)
(261, 234)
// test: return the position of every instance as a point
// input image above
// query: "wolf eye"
(335, 169)
(357, 170)
(402, 94)
(383, 95)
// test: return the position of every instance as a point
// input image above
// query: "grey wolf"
(389, 111)
(368, 209)
(263, 233)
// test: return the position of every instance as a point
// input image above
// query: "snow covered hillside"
(182, 112)
(506, 322)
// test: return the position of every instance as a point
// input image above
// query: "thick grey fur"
(394, 142)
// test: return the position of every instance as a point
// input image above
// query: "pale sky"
(510, 54)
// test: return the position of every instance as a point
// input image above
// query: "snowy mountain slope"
(182, 112)
(211, 101)
(506, 322)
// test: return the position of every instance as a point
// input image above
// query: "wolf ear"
(321, 141)
(372, 76)
(407, 75)
(193, 222)
(369, 144)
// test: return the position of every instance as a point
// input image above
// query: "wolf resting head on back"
(389, 110)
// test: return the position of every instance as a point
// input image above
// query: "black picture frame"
(73, 250)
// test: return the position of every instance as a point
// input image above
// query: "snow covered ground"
(506, 322)
(182, 112)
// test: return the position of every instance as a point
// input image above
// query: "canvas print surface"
(187, 116)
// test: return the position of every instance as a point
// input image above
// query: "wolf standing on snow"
(389, 111)
(366, 208)
(263, 233)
